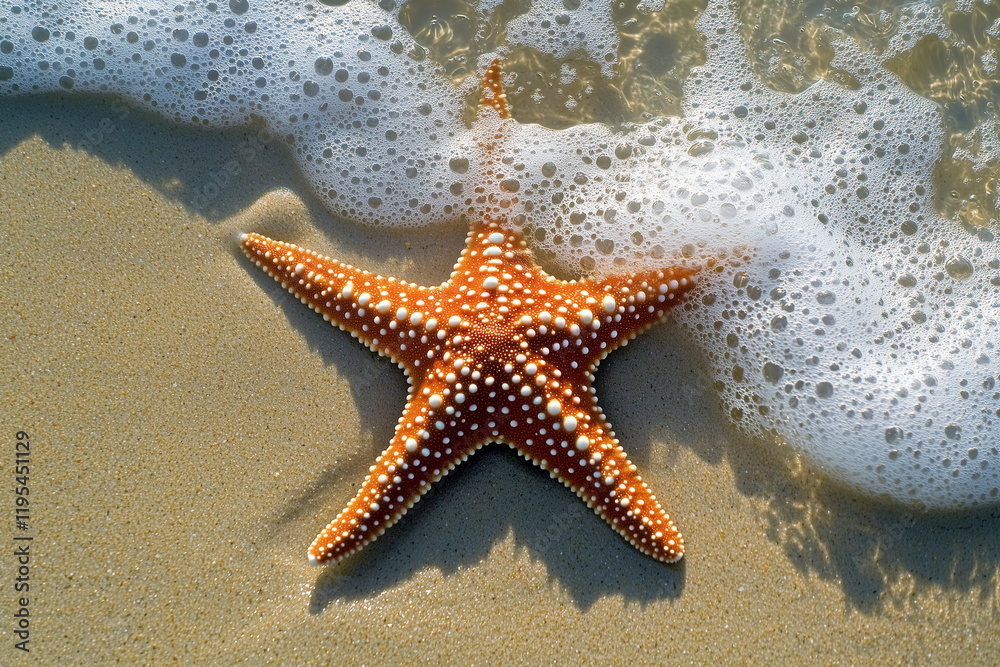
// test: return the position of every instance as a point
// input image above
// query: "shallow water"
(193, 426)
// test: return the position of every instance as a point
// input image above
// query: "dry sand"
(192, 428)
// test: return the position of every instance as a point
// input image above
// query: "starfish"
(501, 352)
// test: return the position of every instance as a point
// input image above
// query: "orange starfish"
(501, 352)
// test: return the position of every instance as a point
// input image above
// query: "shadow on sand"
(881, 555)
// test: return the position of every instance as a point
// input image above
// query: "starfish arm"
(391, 317)
(491, 248)
(613, 311)
(586, 457)
(430, 440)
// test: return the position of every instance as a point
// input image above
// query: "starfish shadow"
(492, 498)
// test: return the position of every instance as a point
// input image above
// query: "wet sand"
(193, 427)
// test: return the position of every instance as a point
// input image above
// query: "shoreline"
(196, 426)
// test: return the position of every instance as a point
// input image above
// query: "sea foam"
(838, 310)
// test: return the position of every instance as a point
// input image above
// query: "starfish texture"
(501, 352)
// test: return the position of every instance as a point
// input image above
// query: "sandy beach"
(192, 427)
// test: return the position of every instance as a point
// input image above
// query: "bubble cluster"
(862, 331)
(838, 310)
(367, 116)
(561, 28)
